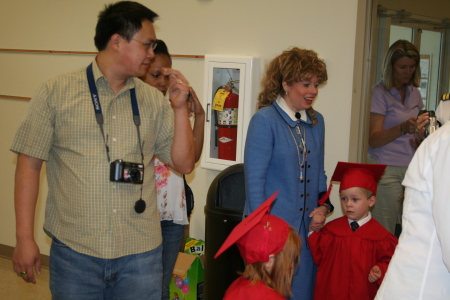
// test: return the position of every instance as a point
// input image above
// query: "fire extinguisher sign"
(228, 116)
(219, 99)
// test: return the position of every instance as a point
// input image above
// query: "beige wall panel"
(194, 27)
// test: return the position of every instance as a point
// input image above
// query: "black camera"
(432, 125)
(126, 172)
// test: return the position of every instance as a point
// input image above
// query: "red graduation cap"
(355, 175)
(258, 235)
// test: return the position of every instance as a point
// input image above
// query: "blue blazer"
(271, 163)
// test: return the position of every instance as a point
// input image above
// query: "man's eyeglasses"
(148, 46)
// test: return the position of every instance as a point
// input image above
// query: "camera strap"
(99, 115)
(140, 205)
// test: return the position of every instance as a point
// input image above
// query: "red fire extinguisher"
(227, 127)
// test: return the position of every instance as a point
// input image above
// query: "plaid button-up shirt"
(84, 209)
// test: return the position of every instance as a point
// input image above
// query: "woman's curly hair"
(291, 66)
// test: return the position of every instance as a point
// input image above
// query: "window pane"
(430, 51)
(400, 33)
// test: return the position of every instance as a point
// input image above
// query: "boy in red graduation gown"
(352, 253)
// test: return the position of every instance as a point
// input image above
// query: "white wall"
(261, 28)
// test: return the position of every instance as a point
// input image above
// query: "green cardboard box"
(188, 277)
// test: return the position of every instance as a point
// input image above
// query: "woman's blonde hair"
(399, 49)
(279, 278)
(291, 66)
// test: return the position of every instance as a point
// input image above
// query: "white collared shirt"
(362, 221)
(283, 105)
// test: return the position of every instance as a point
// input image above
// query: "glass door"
(430, 66)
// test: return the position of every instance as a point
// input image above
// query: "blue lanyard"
(98, 110)
(96, 99)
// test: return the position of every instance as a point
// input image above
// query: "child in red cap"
(352, 253)
(271, 249)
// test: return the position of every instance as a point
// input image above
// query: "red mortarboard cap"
(268, 237)
(356, 175)
(258, 235)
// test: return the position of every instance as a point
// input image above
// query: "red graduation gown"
(345, 258)
(241, 289)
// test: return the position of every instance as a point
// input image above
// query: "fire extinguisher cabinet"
(231, 85)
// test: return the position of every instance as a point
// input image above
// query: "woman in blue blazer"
(284, 151)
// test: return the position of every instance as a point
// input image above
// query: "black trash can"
(223, 210)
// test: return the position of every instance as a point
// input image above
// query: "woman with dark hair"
(284, 151)
(395, 130)
(173, 194)
(162, 59)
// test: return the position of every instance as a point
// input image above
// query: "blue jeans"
(172, 236)
(78, 276)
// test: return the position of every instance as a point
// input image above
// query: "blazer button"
(301, 195)
(301, 209)
(306, 208)
(307, 195)
(309, 166)
(309, 151)
(308, 181)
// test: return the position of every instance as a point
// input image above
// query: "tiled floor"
(12, 287)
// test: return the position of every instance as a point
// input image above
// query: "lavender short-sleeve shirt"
(388, 103)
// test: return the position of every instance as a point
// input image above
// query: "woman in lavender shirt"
(395, 130)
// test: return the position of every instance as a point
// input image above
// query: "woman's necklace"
(304, 157)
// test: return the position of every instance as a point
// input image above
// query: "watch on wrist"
(402, 130)
(327, 202)
(328, 206)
